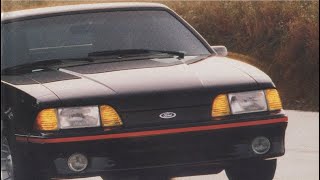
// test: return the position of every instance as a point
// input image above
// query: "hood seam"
(44, 87)
(85, 77)
(245, 73)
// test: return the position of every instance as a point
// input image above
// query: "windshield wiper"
(28, 67)
(125, 52)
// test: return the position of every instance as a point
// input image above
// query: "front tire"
(6, 160)
(14, 164)
(253, 170)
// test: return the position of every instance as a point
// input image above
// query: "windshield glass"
(77, 35)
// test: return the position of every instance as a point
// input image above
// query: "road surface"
(301, 161)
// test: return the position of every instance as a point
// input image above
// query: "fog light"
(77, 162)
(261, 145)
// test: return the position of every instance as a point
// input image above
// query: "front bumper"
(171, 153)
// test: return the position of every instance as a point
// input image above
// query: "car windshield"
(77, 35)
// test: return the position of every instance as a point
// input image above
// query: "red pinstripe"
(151, 132)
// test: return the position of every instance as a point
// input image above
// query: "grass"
(281, 38)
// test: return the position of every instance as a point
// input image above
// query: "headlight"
(109, 116)
(79, 117)
(247, 102)
(47, 120)
(273, 99)
(221, 106)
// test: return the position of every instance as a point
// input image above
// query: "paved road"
(301, 161)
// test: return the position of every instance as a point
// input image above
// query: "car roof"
(67, 9)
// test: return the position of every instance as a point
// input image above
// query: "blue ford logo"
(168, 115)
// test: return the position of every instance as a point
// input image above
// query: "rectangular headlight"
(79, 117)
(247, 102)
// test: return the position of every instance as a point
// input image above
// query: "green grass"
(281, 38)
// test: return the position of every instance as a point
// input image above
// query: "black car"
(130, 90)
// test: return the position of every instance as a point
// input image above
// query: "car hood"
(138, 85)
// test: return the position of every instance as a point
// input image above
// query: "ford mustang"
(130, 91)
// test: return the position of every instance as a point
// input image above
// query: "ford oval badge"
(168, 115)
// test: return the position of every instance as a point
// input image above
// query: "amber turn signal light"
(47, 120)
(221, 106)
(109, 116)
(273, 99)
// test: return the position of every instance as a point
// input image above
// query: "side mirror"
(220, 50)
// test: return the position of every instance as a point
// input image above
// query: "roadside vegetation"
(281, 38)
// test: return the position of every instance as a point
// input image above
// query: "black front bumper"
(175, 154)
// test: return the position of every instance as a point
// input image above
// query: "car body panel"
(153, 153)
(139, 92)
(71, 9)
(210, 74)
